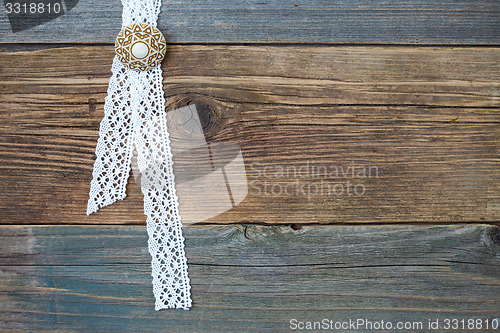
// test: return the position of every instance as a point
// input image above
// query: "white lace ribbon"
(134, 116)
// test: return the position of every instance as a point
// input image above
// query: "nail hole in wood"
(92, 103)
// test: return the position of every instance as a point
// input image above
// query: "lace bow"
(134, 117)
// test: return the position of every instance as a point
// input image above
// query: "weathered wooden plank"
(388, 21)
(292, 75)
(248, 278)
(425, 118)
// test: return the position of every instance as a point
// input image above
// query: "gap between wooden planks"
(426, 117)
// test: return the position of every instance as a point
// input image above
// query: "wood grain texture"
(248, 278)
(426, 118)
(349, 21)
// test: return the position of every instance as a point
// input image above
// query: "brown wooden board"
(249, 278)
(426, 118)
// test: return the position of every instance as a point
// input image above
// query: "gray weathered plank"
(394, 108)
(248, 278)
(350, 21)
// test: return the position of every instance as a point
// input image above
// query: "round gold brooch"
(140, 46)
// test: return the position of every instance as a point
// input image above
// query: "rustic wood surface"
(292, 85)
(348, 21)
(248, 278)
(426, 118)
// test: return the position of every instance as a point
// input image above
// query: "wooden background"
(412, 88)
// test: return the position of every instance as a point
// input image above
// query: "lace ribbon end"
(93, 206)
